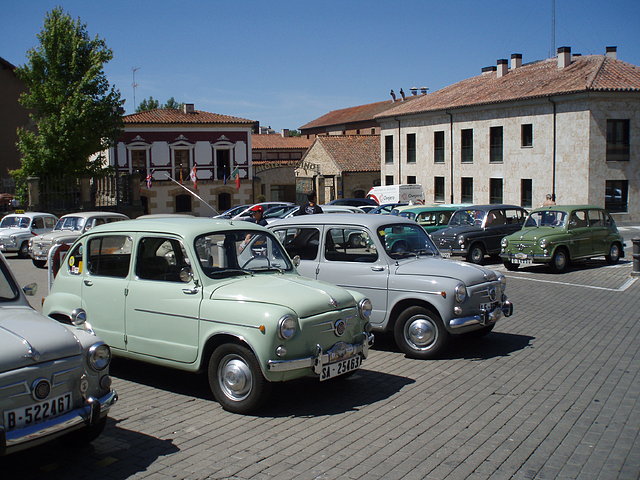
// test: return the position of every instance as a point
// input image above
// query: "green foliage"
(148, 104)
(75, 110)
(295, 133)
(172, 103)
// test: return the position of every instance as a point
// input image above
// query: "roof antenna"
(134, 84)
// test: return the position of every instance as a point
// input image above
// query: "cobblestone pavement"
(551, 393)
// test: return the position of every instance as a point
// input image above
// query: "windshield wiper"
(425, 252)
(268, 269)
(230, 272)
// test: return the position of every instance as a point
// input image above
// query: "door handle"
(88, 283)
(377, 269)
(190, 291)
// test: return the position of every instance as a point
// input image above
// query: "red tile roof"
(265, 142)
(539, 79)
(359, 113)
(169, 115)
(353, 153)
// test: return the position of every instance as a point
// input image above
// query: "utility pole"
(134, 85)
(553, 28)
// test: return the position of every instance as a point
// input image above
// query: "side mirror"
(296, 260)
(30, 289)
(186, 275)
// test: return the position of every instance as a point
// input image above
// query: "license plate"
(338, 368)
(488, 307)
(523, 261)
(520, 256)
(445, 254)
(38, 412)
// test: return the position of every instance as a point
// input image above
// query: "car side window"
(74, 260)
(49, 222)
(300, 241)
(495, 218)
(109, 256)
(514, 216)
(578, 219)
(38, 223)
(160, 258)
(595, 218)
(349, 245)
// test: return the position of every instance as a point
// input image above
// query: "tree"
(148, 104)
(172, 103)
(75, 111)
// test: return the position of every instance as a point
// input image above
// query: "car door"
(495, 228)
(350, 259)
(580, 234)
(163, 311)
(104, 272)
(302, 242)
(599, 233)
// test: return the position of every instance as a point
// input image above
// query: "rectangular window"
(438, 147)
(617, 140)
(466, 190)
(411, 148)
(182, 168)
(526, 135)
(466, 145)
(388, 149)
(411, 179)
(139, 162)
(495, 190)
(438, 189)
(388, 180)
(495, 144)
(526, 192)
(616, 195)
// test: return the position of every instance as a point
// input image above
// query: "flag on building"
(149, 179)
(236, 173)
(194, 177)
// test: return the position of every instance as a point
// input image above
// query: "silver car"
(17, 229)
(423, 299)
(54, 378)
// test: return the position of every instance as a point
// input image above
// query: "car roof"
(371, 221)
(490, 207)
(95, 214)
(567, 208)
(30, 214)
(423, 208)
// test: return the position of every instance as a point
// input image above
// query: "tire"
(24, 250)
(560, 260)
(512, 267)
(420, 333)
(614, 254)
(39, 263)
(476, 254)
(88, 434)
(236, 380)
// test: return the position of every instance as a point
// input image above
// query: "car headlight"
(99, 356)
(364, 308)
(504, 242)
(460, 292)
(544, 243)
(460, 239)
(503, 281)
(287, 327)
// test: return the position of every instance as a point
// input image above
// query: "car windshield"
(240, 252)
(546, 219)
(467, 217)
(405, 240)
(70, 223)
(15, 222)
(8, 288)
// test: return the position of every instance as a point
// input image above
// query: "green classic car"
(430, 219)
(213, 295)
(560, 234)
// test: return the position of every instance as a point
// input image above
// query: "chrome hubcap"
(420, 333)
(234, 377)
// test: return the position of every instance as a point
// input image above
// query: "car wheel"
(560, 260)
(420, 333)
(39, 263)
(476, 254)
(512, 267)
(614, 254)
(88, 434)
(24, 250)
(236, 380)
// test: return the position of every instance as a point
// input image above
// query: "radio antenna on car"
(191, 192)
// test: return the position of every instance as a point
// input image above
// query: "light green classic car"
(559, 234)
(213, 295)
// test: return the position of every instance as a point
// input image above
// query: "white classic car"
(54, 378)
(416, 294)
(17, 229)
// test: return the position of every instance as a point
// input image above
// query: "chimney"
(486, 70)
(612, 52)
(516, 60)
(188, 108)
(564, 57)
(503, 67)
(423, 90)
(402, 94)
(285, 132)
(414, 91)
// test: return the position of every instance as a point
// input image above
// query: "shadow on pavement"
(117, 454)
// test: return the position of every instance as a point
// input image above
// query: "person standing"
(549, 201)
(310, 207)
(257, 216)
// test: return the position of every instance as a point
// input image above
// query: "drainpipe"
(553, 166)
(399, 152)
(451, 154)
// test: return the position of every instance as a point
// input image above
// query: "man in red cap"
(256, 215)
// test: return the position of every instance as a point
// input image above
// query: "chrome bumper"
(484, 318)
(93, 410)
(339, 351)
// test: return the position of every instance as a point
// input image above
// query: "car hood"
(535, 233)
(468, 273)
(305, 296)
(28, 338)
(57, 234)
(7, 232)
(457, 230)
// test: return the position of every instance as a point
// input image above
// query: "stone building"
(275, 158)
(167, 146)
(568, 126)
(339, 166)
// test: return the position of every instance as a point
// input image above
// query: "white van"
(408, 193)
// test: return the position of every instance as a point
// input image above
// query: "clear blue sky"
(285, 63)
